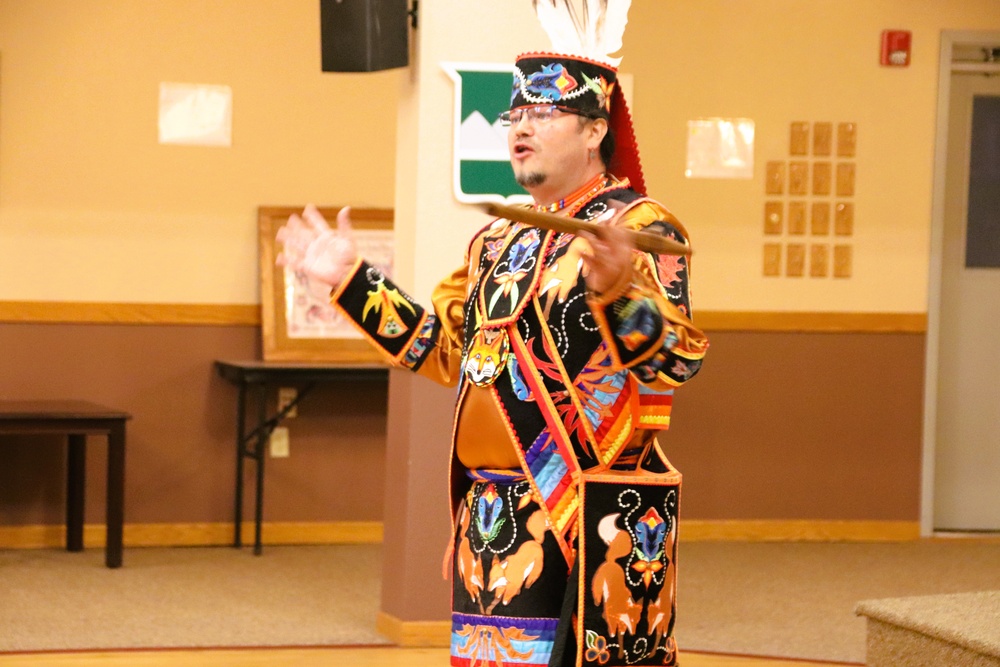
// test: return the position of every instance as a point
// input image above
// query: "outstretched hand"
(311, 246)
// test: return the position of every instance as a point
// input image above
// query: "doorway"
(961, 471)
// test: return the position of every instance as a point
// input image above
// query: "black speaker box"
(364, 35)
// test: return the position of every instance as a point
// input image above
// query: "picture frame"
(297, 322)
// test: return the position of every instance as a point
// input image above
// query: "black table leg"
(241, 408)
(76, 473)
(262, 436)
(116, 495)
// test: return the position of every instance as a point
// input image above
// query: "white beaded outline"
(669, 499)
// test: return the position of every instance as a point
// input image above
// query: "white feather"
(558, 21)
(594, 31)
(593, 13)
(612, 27)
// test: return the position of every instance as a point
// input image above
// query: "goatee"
(530, 179)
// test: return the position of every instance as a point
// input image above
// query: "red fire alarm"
(896, 48)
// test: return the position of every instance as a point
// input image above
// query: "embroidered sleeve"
(408, 335)
(646, 320)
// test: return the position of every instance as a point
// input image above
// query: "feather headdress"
(589, 28)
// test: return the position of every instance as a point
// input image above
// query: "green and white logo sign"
(482, 170)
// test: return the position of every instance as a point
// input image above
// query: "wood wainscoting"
(796, 415)
(249, 314)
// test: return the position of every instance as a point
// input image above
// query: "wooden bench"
(76, 420)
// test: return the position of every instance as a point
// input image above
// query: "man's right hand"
(311, 246)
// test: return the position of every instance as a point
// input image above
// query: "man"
(566, 350)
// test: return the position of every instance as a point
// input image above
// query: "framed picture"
(297, 321)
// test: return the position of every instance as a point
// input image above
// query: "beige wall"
(93, 208)
(779, 61)
(86, 190)
(774, 61)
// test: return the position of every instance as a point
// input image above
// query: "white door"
(967, 447)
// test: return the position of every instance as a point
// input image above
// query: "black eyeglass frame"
(507, 121)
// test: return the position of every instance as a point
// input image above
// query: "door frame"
(949, 40)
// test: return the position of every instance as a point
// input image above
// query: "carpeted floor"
(769, 599)
(190, 597)
(798, 599)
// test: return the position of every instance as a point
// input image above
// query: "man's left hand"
(608, 259)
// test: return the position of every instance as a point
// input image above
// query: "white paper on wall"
(720, 148)
(196, 114)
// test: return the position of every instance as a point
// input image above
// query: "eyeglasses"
(541, 113)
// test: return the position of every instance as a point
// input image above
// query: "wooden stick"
(560, 223)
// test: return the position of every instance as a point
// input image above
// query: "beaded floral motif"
(554, 83)
(516, 267)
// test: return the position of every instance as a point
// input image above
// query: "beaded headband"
(576, 83)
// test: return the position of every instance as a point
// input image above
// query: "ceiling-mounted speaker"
(364, 35)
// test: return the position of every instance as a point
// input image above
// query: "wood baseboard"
(693, 530)
(197, 534)
(413, 634)
(370, 532)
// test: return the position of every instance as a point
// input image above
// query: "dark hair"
(608, 143)
(608, 147)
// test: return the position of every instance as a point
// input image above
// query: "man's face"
(550, 155)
